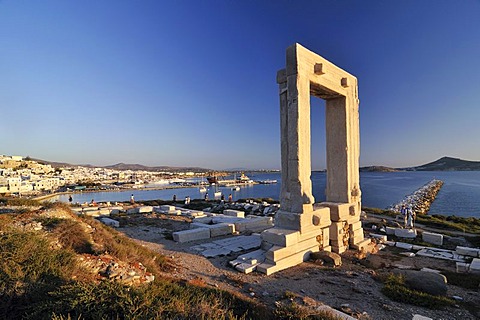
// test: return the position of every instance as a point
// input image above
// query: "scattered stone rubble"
(28, 225)
(107, 267)
(461, 255)
(250, 208)
(213, 225)
(421, 199)
(251, 218)
(228, 245)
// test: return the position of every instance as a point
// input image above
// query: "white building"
(14, 184)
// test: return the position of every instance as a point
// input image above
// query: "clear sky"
(192, 83)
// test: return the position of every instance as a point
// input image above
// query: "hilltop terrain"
(442, 164)
(448, 164)
(126, 166)
(61, 265)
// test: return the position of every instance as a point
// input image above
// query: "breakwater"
(421, 199)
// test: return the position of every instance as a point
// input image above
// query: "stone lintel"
(301, 60)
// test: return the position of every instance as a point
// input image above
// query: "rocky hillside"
(442, 164)
(448, 164)
(56, 265)
(126, 166)
(377, 169)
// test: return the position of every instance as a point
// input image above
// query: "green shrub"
(470, 225)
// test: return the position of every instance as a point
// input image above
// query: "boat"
(243, 178)
(212, 179)
(236, 188)
(202, 189)
(217, 193)
(268, 181)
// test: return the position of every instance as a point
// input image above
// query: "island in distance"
(442, 164)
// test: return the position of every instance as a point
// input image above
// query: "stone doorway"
(303, 226)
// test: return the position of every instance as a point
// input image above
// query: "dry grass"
(108, 240)
(72, 235)
(37, 282)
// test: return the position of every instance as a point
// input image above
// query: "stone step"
(191, 235)
(281, 237)
(269, 267)
(466, 251)
(361, 245)
(277, 253)
(434, 238)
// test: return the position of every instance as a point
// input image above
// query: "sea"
(459, 196)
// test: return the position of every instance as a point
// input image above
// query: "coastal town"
(22, 176)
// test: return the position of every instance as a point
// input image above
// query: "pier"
(421, 199)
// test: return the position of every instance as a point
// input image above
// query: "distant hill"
(442, 164)
(125, 166)
(448, 164)
(378, 169)
(53, 163)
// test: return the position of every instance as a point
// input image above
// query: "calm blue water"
(460, 195)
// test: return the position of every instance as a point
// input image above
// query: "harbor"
(459, 195)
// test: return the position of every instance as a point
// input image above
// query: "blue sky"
(192, 83)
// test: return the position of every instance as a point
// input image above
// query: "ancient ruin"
(303, 226)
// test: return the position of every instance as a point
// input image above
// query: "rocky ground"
(353, 287)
